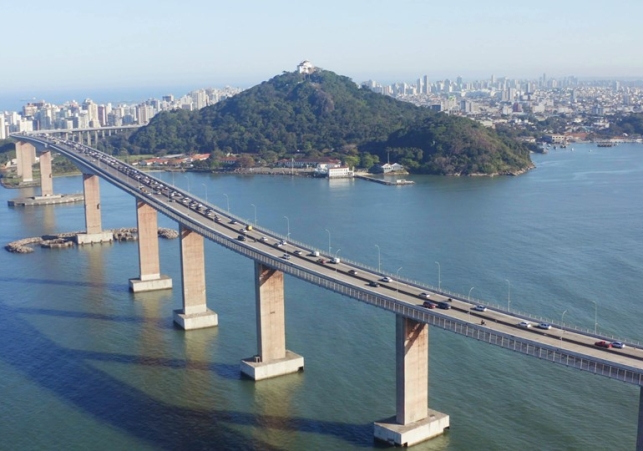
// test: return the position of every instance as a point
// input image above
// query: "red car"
(603, 344)
(428, 304)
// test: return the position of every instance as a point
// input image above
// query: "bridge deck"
(562, 346)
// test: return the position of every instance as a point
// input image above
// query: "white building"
(3, 128)
(340, 172)
(305, 67)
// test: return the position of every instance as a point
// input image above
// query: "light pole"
(470, 289)
(227, 201)
(206, 191)
(397, 279)
(379, 261)
(595, 316)
(508, 295)
(288, 228)
(188, 179)
(329, 248)
(439, 276)
(255, 208)
(562, 324)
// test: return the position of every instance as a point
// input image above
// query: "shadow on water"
(66, 373)
(161, 323)
(115, 287)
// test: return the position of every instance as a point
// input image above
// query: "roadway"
(501, 328)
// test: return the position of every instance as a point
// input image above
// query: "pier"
(398, 182)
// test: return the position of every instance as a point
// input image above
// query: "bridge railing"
(378, 300)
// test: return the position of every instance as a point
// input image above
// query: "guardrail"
(380, 300)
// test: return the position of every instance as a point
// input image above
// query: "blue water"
(85, 364)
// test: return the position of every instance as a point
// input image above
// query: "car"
(603, 344)
(241, 238)
(386, 279)
(264, 239)
(283, 242)
(618, 344)
(525, 324)
(286, 256)
(444, 305)
(352, 272)
(373, 284)
(232, 221)
(277, 244)
(428, 304)
(321, 261)
(425, 295)
(480, 308)
(545, 326)
(297, 252)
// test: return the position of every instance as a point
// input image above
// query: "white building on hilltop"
(305, 67)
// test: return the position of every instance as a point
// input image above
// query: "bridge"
(274, 255)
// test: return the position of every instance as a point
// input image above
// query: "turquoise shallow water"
(85, 364)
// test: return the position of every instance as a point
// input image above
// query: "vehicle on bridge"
(428, 304)
(603, 344)
(525, 324)
(480, 308)
(444, 305)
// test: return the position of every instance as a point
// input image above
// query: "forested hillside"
(325, 113)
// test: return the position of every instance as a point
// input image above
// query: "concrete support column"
(639, 435)
(273, 359)
(46, 180)
(195, 313)
(412, 370)
(148, 252)
(413, 422)
(94, 232)
(25, 158)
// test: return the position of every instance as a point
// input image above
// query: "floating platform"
(46, 200)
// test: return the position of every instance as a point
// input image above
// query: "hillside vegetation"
(327, 114)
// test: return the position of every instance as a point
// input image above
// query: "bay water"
(85, 364)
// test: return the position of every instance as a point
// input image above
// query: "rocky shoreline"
(68, 239)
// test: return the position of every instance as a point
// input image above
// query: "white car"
(286, 256)
(525, 324)
(545, 326)
(425, 295)
(480, 308)
(386, 279)
(618, 344)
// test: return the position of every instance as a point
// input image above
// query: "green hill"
(325, 113)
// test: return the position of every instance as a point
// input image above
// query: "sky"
(123, 45)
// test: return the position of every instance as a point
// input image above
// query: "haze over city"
(76, 46)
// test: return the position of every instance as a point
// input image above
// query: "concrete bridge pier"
(414, 422)
(195, 313)
(94, 232)
(639, 434)
(46, 180)
(273, 359)
(25, 158)
(148, 252)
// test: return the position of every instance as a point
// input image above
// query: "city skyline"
(157, 45)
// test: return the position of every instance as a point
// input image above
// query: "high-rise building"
(427, 85)
(3, 127)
